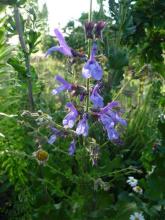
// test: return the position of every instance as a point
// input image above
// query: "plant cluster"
(106, 160)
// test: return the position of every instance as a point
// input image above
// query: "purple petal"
(112, 134)
(92, 68)
(72, 148)
(96, 71)
(93, 52)
(110, 117)
(65, 85)
(50, 50)
(96, 99)
(71, 117)
(117, 118)
(55, 130)
(109, 124)
(65, 51)
(107, 121)
(58, 90)
(52, 139)
(109, 106)
(113, 104)
(61, 80)
(60, 37)
(69, 120)
(71, 107)
(82, 127)
(63, 48)
(86, 71)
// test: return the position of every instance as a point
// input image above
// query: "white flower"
(137, 189)
(137, 216)
(132, 181)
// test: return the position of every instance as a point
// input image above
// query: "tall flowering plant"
(93, 108)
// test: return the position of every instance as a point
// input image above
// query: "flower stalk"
(89, 50)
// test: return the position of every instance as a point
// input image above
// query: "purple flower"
(113, 110)
(63, 46)
(71, 117)
(116, 118)
(110, 117)
(96, 99)
(65, 85)
(109, 106)
(92, 67)
(99, 28)
(82, 127)
(54, 136)
(109, 125)
(72, 148)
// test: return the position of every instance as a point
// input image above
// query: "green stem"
(89, 50)
(26, 56)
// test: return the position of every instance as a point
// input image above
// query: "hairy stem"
(26, 56)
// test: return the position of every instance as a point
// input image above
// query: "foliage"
(148, 39)
(65, 187)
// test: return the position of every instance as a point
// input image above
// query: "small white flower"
(138, 189)
(137, 216)
(132, 181)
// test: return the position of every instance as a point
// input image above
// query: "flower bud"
(99, 28)
(89, 26)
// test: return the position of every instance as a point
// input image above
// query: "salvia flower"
(63, 46)
(137, 216)
(82, 127)
(92, 67)
(64, 85)
(96, 99)
(70, 118)
(109, 125)
(132, 181)
(99, 28)
(53, 137)
(89, 26)
(109, 117)
(72, 148)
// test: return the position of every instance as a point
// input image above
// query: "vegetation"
(43, 175)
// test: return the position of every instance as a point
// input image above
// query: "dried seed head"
(41, 156)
